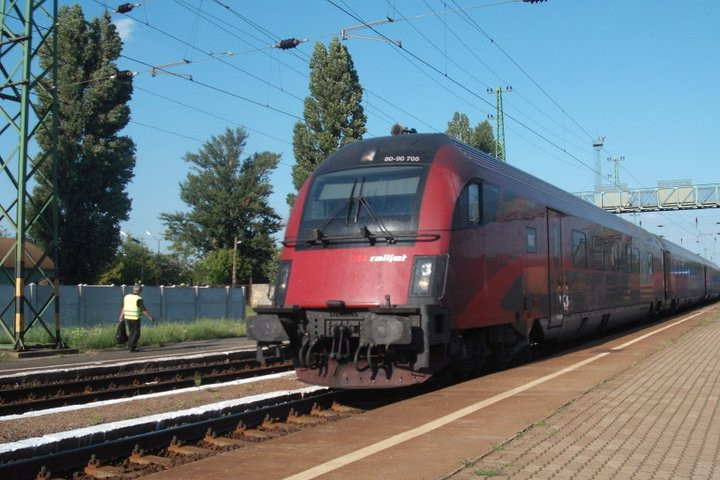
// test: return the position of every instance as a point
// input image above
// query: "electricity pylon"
(616, 176)
(500, 152)
(27, 27)
(598, 145)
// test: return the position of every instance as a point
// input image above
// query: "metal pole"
(234, 265)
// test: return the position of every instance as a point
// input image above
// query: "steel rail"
(63, 457)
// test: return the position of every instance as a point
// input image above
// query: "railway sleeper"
(254, 434)
(45, 474)
(177, 447)
(212, 439)
(94, 469)
(295, 418)
(319, 412)
(138, 457)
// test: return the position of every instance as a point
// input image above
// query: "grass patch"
(103, 336)
(487, 472)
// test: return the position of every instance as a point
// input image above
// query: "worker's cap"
(137, 288)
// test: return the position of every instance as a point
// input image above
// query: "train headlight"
(281, 283)
(428, 276)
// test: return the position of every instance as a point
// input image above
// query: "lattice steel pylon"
(500, 152)
(27, 26)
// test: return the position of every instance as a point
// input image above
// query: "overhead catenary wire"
(458, 83)
(475, 55)
(502, 80)
(349, 11)
(273, 37)
(474, 24)
(235, 67)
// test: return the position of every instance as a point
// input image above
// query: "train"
(410, 255)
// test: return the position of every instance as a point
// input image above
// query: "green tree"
(228, 203)
(216, 268)
(95, 163)
(480, 137)
(483, 138)
(333, 114)
(134, 263)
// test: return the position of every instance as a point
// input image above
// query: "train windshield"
(363, 202)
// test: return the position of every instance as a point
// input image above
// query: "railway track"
(144, 448)
(23, 393)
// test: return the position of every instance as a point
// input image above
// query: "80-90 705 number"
(402, 158)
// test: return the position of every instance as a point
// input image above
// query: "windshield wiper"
(316, 234)
(365, 231)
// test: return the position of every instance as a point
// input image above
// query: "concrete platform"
(642, 405)
(659, 419)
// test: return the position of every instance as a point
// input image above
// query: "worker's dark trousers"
(134, 333)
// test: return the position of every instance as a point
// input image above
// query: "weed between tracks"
(103, 336)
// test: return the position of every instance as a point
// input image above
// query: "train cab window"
(531, 240)
(579, 248)
(490, 203)
(650, 269)
(342, 202)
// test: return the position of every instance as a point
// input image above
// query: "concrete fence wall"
(86, 305)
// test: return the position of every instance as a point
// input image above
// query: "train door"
(557, 284)
(667, 277)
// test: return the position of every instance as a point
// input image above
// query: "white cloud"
(125, 27)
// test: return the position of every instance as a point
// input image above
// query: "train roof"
(423, 148)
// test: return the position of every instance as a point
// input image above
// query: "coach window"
(579, 248)
(650, 270)
(531, 236)
(636, 260)
(598, 254)
(627, 259)
(613, 255)
(490, 202)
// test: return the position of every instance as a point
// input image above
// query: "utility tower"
(500, 152)
(26, 27)
(598, 145)
(616, 176)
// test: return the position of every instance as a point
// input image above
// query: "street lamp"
(149, 234)
(236, 242)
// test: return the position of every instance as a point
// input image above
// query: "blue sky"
(642, 73)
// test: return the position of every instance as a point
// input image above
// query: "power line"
(273, 37)
(252, 75)
(473, 23)
(457, 83)
(210, 114)
(218, 89)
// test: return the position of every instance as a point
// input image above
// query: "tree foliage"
(134, 263)
(95, 163)
(333, 114)
(480, 137)
(228, 201)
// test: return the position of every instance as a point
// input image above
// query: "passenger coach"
(409, 254)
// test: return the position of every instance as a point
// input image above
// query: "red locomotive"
(408, 254)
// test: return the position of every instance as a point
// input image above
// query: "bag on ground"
(121, 335)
